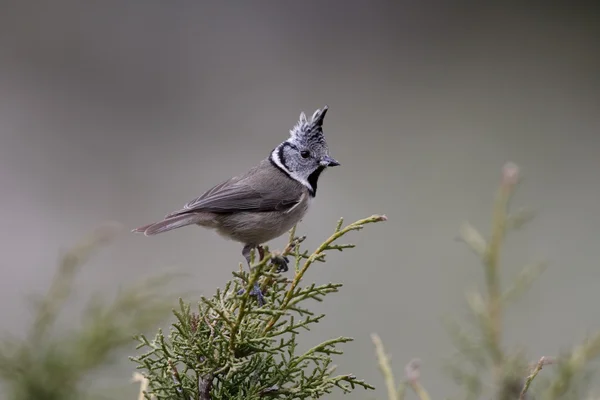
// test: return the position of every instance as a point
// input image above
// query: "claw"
(281, 263)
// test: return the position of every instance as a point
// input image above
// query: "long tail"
(168, 224)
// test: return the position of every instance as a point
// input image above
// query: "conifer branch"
(491, 260)
(413, 376)
(385, 367)
(254, 276)
(236, 348)
(483, 352)
(538, 367)
(45, 365)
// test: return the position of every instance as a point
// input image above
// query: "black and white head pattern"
(305, 154)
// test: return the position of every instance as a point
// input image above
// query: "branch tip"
(510, 174)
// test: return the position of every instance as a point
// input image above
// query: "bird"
(266, 201)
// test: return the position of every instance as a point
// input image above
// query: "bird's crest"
(309, 130)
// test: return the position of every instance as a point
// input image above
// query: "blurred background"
(126, 110)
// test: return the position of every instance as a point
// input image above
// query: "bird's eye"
(305, 153)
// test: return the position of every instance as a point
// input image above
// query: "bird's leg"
(261, 252)
(256, 289)
(246, 253)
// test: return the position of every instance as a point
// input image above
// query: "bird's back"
(275, 187)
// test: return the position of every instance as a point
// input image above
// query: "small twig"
(385, 367)
(176, 377)
(144, 384)
(473, 239)
(205, 384)
(510, 176)
(211, 327)
(413, 376)
(241, 313)
(194, 322)
(536, 370)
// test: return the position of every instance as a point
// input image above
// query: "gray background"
(126, 110)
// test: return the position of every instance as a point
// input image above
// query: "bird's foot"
(281, 262)
(277, 260)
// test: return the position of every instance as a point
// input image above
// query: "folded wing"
(231, 196)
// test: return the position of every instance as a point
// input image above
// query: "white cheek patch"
(293, 175)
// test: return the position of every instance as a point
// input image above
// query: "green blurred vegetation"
(50, 365)
(482, 365)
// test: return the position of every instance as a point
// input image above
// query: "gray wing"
(260, 190)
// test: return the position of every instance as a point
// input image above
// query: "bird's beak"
(329, 162)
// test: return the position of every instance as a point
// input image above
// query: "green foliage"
(42, 366)
(482, 365)
(230, 347)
